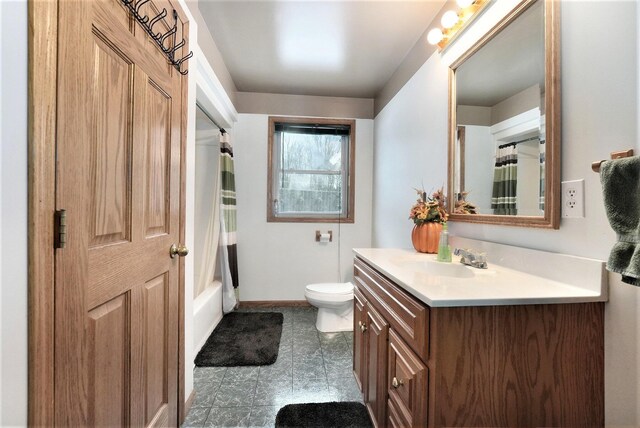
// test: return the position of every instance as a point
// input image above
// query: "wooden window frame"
(350, 216)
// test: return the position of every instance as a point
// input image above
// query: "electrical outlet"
(573, 199)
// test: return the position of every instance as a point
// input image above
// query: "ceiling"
(328, 48)
(511, 62)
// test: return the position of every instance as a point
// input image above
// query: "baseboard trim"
(187, 405)
(271, 303)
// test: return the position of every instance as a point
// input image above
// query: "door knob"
(178, 250)
(363, 327)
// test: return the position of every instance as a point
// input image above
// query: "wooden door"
(407, 384)
(376, 366)
(359, 339)
(119, 130)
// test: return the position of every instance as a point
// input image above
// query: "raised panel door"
(407, 382)
(359, 339)
(376, 366)
(118, 176)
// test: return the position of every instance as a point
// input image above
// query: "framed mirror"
(504, 122)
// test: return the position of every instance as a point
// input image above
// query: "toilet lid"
(332, 288)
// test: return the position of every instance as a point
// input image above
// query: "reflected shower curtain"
(505, 180)
(229, 253)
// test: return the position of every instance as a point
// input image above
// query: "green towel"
(621, 191)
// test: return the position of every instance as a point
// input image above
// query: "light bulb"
(434, 36)
(449, 19)
(464, 3)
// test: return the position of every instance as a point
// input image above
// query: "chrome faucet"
(471, 258)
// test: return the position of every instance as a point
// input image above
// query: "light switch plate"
(573, 199)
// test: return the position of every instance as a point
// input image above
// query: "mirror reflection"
(499, 163)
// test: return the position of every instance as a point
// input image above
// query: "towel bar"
(595, 166)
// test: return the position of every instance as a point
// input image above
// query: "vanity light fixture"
(463, 4)
(449, 19)
(453, 22)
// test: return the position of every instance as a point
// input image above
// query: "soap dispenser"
(444, 250)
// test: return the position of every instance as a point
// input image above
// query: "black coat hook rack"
(147, 23)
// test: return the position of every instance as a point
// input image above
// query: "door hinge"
(60, 229)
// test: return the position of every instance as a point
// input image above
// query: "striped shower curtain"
(505, 180)
(228, 242)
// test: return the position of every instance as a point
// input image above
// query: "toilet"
(335, 305)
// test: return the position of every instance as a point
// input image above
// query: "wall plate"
(573, 199)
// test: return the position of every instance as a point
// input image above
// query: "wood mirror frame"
(551, 218)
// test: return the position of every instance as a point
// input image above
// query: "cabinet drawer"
(407, 383)
(406, 315)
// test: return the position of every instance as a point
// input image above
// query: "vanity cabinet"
(516, 365)
(371, 336)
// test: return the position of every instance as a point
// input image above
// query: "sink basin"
(430, 267)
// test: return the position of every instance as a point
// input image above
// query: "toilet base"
(331, 320)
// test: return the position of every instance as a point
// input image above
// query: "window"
(311, 170)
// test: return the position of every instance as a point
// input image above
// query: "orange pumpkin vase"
(425, 237)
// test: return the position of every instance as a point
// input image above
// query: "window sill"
(344, 220)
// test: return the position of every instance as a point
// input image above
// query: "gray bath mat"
(330, 415)
(243, 339)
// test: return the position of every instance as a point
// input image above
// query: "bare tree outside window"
(310, 170)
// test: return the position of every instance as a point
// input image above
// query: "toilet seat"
(331, 288)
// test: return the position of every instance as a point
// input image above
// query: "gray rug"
(243, 339)
(330, 415)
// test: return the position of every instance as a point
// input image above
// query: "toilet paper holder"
(330, 232)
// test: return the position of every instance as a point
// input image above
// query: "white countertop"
(453, 284)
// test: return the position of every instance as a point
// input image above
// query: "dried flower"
(462, 206)
(429, 209)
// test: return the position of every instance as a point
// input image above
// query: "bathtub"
(207, 313)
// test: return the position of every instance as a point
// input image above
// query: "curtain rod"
(525, 140)
(220, 128)
(513, 143)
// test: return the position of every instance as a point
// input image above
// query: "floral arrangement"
(429, 209)
(463, 206)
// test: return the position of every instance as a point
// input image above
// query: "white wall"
(599, 115)
(277, 260)
(13, 222)
(480, 152)
(189, 208)
(410, 151)
(528, 184)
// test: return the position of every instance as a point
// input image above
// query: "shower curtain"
(505, 180)
(229, 253)
(211, 241)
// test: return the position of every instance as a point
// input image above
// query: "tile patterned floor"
(311, 367)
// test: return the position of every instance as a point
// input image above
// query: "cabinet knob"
(363, 327)
(397, 383)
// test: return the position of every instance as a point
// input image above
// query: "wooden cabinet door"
(407, 383)
(359, 339)
(376, 366)
(119, 127)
